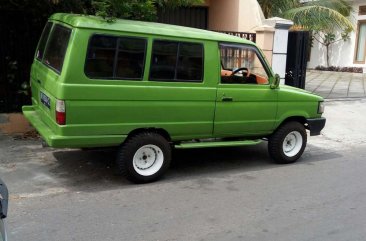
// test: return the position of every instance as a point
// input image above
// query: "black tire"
(276, 141)
(147, 141)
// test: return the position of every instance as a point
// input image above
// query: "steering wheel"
(241, 69)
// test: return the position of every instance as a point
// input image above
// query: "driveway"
(336, 85)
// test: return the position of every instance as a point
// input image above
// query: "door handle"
(38, 81)
(225, 98)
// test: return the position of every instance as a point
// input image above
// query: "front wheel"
(287, 144)
(144, 157)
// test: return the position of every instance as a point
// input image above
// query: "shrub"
(340, 69)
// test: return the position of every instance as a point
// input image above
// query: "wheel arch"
(300, 119)
(159, 131)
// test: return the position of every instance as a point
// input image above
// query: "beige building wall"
(247, 16)
(223, 15)
(264, 40)
(234, 15)
(250, 15)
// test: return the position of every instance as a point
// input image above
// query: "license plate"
(45, 100)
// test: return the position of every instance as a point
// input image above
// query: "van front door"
(245, 103)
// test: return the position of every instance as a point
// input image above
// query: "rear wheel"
(288, 143)
(144, 157)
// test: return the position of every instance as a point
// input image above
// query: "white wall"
(341, 53)
(280, 41)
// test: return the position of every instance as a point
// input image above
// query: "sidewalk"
(336, 85)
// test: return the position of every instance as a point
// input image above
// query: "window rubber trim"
(175, 80)
(115, 57)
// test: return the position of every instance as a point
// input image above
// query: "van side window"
(190, 65)
(240, 64)
(43, 41)
(112, 57)
(131, 58)
(164, 60)
(100, 57)
(176, 61)
(56, 47)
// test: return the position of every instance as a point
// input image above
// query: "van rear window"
(56, 47)
(43, 41)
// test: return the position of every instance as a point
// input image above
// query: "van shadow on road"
(91, 171)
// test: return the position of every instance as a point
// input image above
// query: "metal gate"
(195, 17)
(297, 49)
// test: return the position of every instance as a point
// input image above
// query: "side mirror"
(4, 196)
(275, 82)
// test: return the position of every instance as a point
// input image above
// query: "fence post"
(280, 41)
(264, 40)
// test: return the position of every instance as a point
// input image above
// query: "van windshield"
(55, 48)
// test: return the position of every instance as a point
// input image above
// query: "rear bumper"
(316, 125)
(54, 140)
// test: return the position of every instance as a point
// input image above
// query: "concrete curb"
(14, 123)
(345, 99)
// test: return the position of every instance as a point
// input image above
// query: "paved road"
(209, 194)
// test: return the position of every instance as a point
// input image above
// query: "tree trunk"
(327, 50)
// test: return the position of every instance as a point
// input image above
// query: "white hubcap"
(292, 144)
(148, 160)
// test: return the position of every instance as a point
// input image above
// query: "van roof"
(94, 22)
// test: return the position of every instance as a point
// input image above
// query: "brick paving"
(336, 85)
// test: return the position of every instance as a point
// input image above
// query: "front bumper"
(315, 125)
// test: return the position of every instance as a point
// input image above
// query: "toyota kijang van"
(147, 88)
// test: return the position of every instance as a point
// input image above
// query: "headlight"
(321, 107)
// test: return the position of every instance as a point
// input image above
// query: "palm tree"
(276, 8)
(325, 19)
(317, 15)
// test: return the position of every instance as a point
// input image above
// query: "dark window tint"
(175, 61)
(104, 61)
(100, 57)
(164, 60)
(131, 58)
(56, 47)
(190, 62)
(43, 41)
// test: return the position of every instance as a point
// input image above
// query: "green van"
(148, 88)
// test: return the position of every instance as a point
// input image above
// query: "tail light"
(60, 112)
